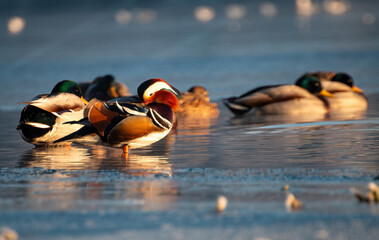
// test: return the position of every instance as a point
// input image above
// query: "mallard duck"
(196, 103)
(104, 88)
(134, 125)
(348, 97)
(43, 120)
(301, 98)
(336, 77)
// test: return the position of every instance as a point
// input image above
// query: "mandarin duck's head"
(159, 91)
(348, 80)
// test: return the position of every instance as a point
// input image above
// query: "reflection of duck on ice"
(99, 157)
(153, 189)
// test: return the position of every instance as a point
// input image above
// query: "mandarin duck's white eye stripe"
(155, 88)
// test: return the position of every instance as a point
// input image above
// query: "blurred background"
(227, 46)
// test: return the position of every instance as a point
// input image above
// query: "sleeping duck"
(302, 98)
(43, 120)
(196, 103)
(104, 88)
(348, 97)
(129, 125)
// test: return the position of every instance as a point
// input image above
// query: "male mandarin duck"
(302, 98)
(43, 119)
(134, 125)
(104, 88)
(196, 102)
(348, 97)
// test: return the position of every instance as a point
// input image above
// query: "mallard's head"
(313, 85)
(348, 80)
(68, 86)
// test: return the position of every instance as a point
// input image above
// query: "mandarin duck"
(129, 125)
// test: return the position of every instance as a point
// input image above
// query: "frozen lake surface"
(168, 190)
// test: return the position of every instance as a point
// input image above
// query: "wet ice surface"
(46, 204)
(168, 190)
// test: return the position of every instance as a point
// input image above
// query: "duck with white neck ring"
(305, 97)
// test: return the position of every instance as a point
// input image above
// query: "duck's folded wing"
(272, 94)
(99, 115)
(58, 103)
(104, 114)
(130, 128)
(334, 87)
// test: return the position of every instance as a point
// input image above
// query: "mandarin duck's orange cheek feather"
(166, 97)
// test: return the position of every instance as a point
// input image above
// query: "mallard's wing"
(335, 87)
(265, 95)
(273, 94)
(57, 103)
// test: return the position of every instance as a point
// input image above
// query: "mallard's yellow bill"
(85, 101)
(113, 92)
(325, 93)
(357, 89)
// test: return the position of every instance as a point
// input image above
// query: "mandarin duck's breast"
(163, 110)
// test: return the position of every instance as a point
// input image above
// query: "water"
(168, 190)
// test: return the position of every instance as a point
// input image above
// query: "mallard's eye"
(317, 84)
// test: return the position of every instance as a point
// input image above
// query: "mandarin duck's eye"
(151, 94)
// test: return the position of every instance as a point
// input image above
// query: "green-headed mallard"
(348, 97)
(301, 98)
(43, 119)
